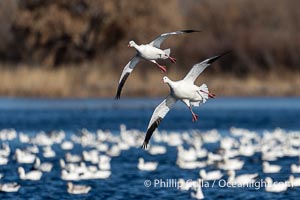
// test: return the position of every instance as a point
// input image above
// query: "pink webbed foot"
(173, 60)
(195, 117)
(210, 95)
(162, 68)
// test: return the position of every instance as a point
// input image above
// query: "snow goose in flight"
(184, 90)
(150, 52)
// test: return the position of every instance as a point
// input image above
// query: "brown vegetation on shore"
(90, 80)
(75, 48)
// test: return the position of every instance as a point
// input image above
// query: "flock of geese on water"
(98, 149)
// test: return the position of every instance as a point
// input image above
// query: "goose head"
(141, 160)
(231, 173)
(131, 44)
(166, 79)
(202, 173)
(70, 185)
(21, 171)
(269, 180)
(291, 179)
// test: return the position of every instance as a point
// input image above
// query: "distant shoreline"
(95, 82)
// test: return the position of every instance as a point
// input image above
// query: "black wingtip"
(121, 84)
(213, 59)
(144, 146)
(190, 31)
(117, 97)
(118, 94)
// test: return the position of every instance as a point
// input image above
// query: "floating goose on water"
(69, 176)
(33, 175)
(24, 156)
(212, 175)
(78, 189)
(3, 160)
(157, 150)
(5, 151)
(146, 166)
(190, 164)
(186, 184)
(150, 52)
(241, 179)
(294, 182)
(184, 90)
(48, 152)
(295, 168)
(275, 186)
(198, 194)
(67, 145)
(231, 164)
(9, 187)
(268, 168)
(100, 174)
(44, 167)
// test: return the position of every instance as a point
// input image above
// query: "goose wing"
(126, 72)
(159, 113)
(198, 68)
(157, 41)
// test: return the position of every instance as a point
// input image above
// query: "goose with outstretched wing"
(151, 52)
(184, 90)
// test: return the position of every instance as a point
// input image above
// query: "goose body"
(241, 179)
(212, 175)
(9, 187)
(268, 168)
(78, 189)
(184, 90)
(33, 175)
(295, 168)
(146, 166)
(275, 186)
(150, 52)
(198, 194)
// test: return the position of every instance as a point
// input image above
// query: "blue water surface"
(71, 115)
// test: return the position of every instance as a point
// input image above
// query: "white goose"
(24, 156)
(146, 166)
(151, 52)
(44, 167)
(5, 151)
(3, 160)
(33, 175)
(275, 186)
(69, 176)
(295, 168)
(9, 187)
(294, 182)
(241, 179)
(157, 150)
(184, 90)
(78, 189)
(212, 175)
(199, 193)
(268, 168)
(186, 185)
